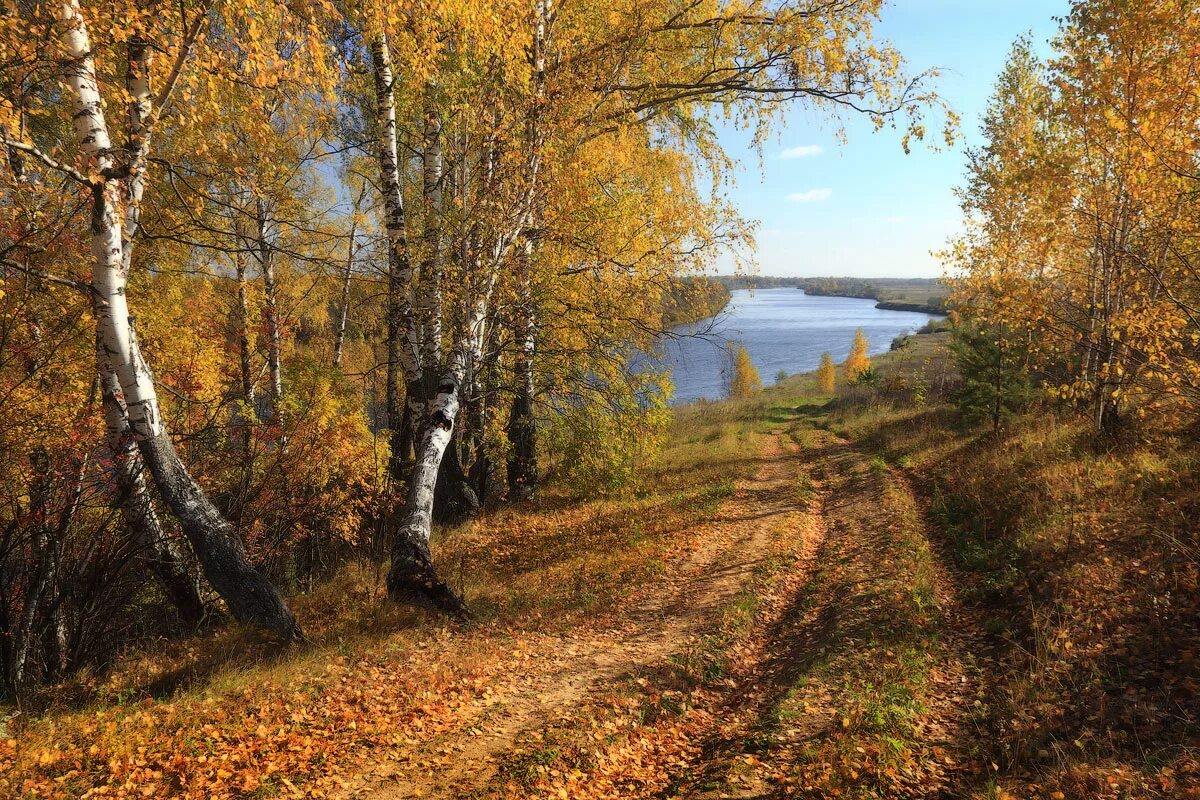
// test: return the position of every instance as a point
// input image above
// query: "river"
(783, 329)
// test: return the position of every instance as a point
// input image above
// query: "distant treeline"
(693, 299)
(840, 287)
(925, 295)
(756, 282)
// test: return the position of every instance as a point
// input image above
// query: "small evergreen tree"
(868, 378)
(858, 360)
(826, 374)
(744, 380)
(995, 381)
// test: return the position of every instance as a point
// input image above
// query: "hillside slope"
(807, 597)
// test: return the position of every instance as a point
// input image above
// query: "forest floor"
(803, 597)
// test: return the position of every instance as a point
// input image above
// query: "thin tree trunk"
(266, 263)
(39, 576)
(251, 598)
(429, 312)
(59, 639)
(431, 266)
(522, 430)
(402, 344)
(454, 501)
(241, 321)
(339, 337)
(15, 163)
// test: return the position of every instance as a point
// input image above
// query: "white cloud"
(803, 151)
(811, 196)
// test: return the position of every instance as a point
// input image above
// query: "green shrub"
(598, 444)
(995, 382)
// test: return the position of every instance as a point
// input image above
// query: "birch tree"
(114, 180)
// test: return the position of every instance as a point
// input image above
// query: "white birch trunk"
(266, 263)
(250, 596)
(339, 338)
(169, 563)
(109, 272)
(402, 345)
(412, 574)
(431, 267)
(522, 429)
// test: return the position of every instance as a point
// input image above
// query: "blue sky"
(864, 208)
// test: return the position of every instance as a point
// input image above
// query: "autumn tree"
(660, 67)
(826, 374)
(427, 234)
(744, 381)
(858, 361)
(1077, 203)
(159, 96)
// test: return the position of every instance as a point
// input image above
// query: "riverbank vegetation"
(922, 295)
(744, 381)
(1079, 247)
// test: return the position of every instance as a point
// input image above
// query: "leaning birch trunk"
(402, 361)
(250, 596)
(166, 560)
(412, 575)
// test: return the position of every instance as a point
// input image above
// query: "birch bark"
(168, 562)
(431, 266)
(412, 574)
(339, 338)
(249, 595)
(522, 429)
(402, 344)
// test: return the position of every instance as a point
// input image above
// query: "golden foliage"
(858, 361)
(744, 381)
(1081, 206)
(826, 374)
